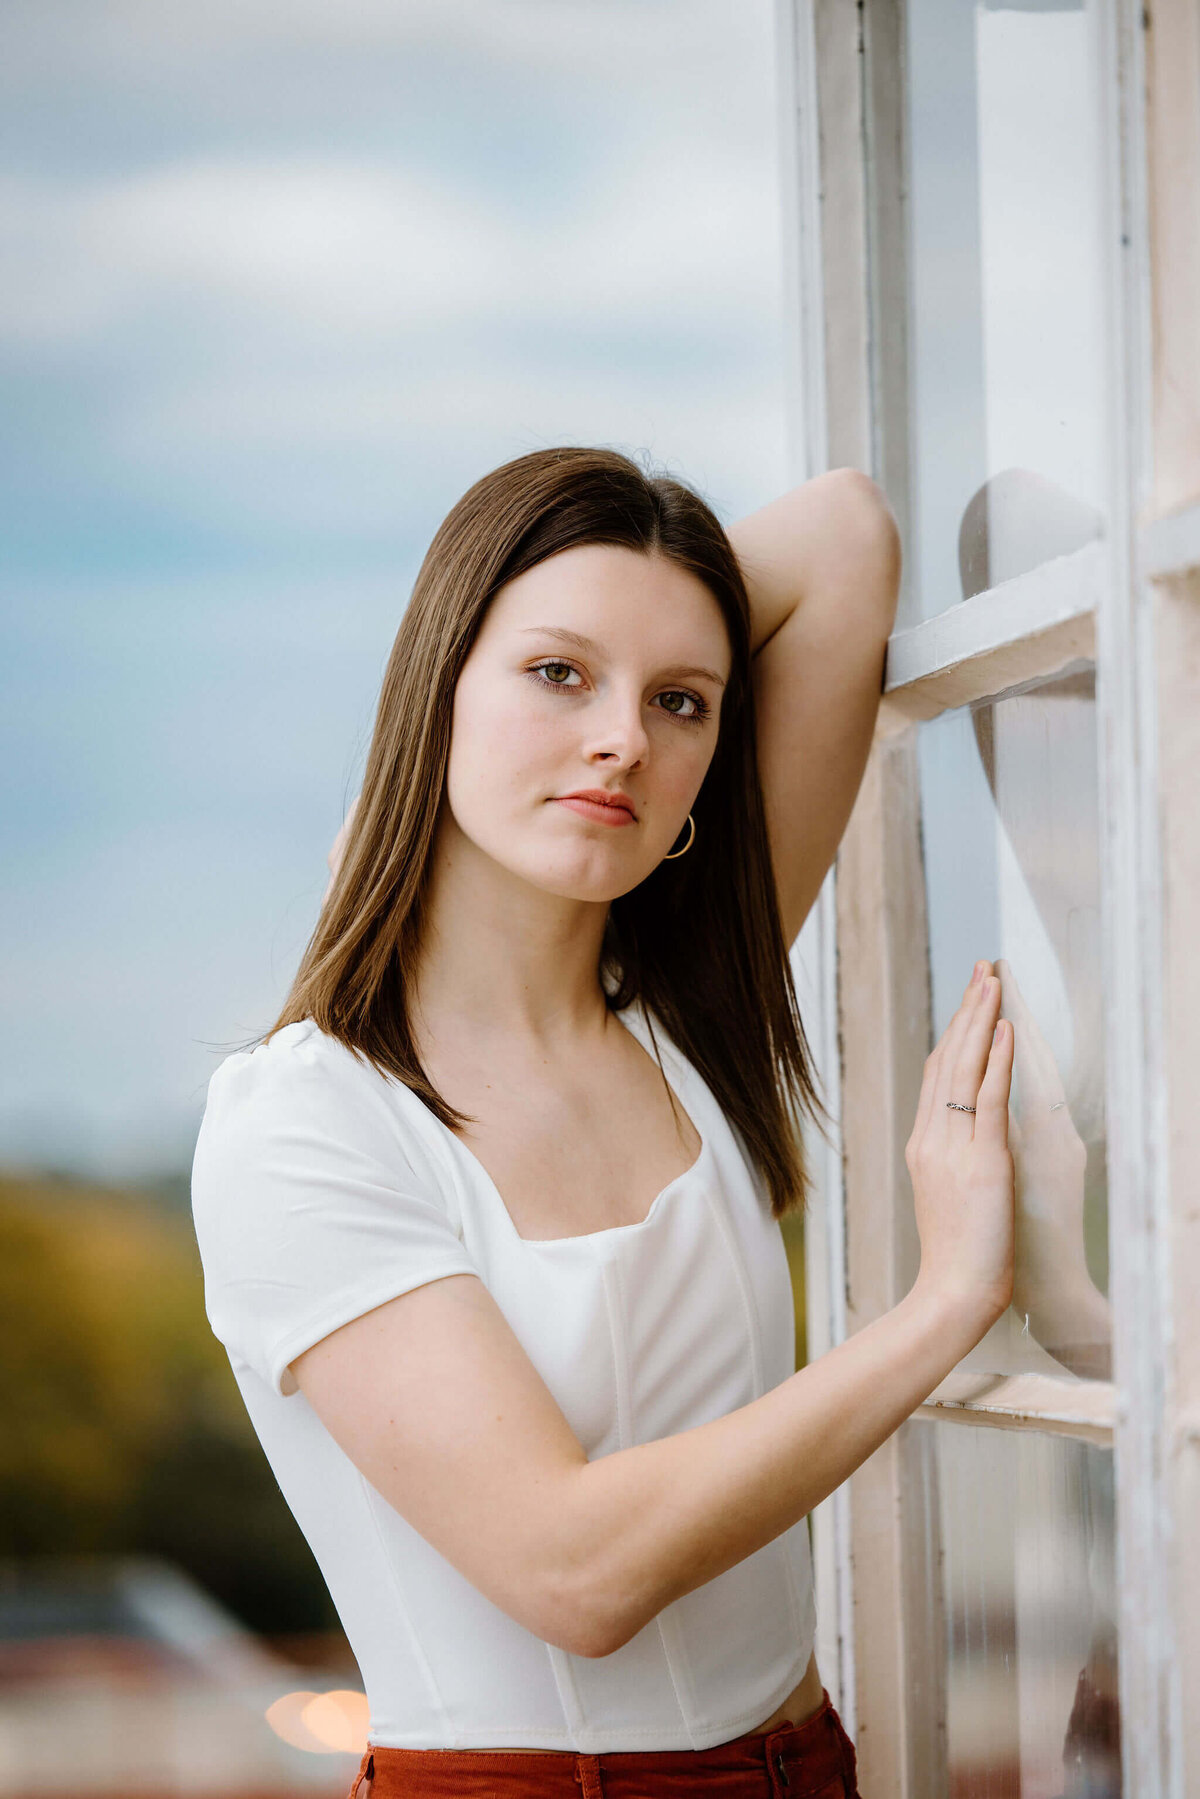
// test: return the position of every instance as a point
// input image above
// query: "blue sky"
(278, 282)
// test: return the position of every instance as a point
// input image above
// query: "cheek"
(681, 774)
(498, 742)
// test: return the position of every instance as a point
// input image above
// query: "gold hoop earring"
(687, 846)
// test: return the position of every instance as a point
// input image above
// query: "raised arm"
(822, 567)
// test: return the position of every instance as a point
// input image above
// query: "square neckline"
(680, 1073)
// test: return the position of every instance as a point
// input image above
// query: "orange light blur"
(323, 1723)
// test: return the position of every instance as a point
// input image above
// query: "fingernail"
(998, 1032)
(976, 973)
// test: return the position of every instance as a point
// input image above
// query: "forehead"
(619, 598)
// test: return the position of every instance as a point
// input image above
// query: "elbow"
(861, 562)
(594, 1591)
(588, 1618)
(596, 1614)
(861, 490)
(611, 1626)
(571, 1623)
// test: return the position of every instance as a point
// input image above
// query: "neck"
(500, 957)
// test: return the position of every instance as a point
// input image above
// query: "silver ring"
(955, 1107)
(1057, 1103)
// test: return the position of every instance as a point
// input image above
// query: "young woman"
(489, 1220)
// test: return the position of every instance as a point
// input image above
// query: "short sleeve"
(310, 1200)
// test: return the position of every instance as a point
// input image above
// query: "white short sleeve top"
(322, 1188)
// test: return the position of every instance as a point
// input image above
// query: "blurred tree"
(124, 1428)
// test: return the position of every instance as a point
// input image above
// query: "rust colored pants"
(812, 1760)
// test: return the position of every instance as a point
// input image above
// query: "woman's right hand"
(961, 1166)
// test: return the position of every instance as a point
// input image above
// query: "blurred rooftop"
(119, 1675)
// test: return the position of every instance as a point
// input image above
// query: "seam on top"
(561, 1664)
(368, 1495)
(620, 1368)
(754, 1329)
(614, 1304)
(749, 1310)
(428, 1129)
(574, 1723)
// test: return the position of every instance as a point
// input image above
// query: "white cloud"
(332, 245)
(323, 245)
(348, 456)
(629, 41)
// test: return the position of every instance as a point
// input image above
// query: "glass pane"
(1011, 832)
(1024, 1527)
(1005, 253)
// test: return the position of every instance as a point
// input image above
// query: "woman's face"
(600, 668)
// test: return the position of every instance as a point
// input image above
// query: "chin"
(589, 877)
(591, 888)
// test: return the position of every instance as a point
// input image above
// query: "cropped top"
(322, 1188)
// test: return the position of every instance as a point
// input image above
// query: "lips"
(600, 797)
(595, 803)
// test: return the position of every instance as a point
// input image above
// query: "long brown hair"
(699, 941)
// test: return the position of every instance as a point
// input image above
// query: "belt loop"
(588, 1774)
(367, 1775)
(776, 1765)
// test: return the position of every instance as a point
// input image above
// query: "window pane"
(1024, 1525)
(1010, 829)
(1005, 251)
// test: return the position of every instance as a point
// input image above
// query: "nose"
(617, 732)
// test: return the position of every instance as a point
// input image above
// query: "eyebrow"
(587, 646)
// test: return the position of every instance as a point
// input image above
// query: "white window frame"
(841, 93)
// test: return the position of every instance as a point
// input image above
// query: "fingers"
(991, 1107)
(947, 1045)
(964, 1051)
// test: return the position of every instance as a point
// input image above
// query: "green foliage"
(124, 1428)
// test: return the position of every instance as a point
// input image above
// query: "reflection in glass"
(1006, 265)
(1010, 828)
(1024, 1527)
